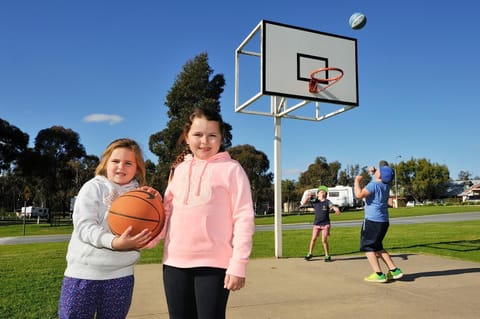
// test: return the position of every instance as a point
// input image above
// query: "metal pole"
(396, 185)
(26, 197)
(24, 214)
(277, 179)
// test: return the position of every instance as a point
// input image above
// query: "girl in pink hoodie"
(210, 223)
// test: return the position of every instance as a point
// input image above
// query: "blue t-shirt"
(376, 204)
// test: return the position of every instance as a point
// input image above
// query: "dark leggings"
(195, 293)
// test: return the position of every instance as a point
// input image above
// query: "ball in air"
(357, 20)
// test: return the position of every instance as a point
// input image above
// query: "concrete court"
(285, 288)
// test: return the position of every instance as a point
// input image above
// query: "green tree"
(30, 171)
(13, 142)
(367, 177)
(464, 176)
(11, 192)
(256, 165)
(56, 148)
(83, 169)
(194, 86)
(346, 177)
(290, 194)
(421, 180)
(319, 173)
(152, 178)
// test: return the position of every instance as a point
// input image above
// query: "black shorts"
(372, 234)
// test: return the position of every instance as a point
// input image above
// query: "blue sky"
(63, 62)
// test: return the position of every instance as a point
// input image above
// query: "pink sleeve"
(244, 224)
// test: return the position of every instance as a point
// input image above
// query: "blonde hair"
(132, 146)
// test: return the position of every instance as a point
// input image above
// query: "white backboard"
(290, 54)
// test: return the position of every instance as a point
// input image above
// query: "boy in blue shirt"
(376, 222)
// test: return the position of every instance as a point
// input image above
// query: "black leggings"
(195, 293)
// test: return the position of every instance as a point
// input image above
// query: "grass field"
(32, 273)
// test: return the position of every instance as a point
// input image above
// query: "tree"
(464, 176)
(55, 148)
(83, 169)
(367, 177)
(421, 179)
(319, 173)
(290, 194)
(256, 165)
(11, 191)
(13, 142)
(346, 177)
(194, 86)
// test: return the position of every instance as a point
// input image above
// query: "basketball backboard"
(289, 54)
(294, 64)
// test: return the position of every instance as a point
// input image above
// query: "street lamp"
(396, 185)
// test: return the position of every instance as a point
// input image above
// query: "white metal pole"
(277, 178)
(396, 185)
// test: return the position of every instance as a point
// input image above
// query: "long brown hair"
(132, 146)
(209, 113)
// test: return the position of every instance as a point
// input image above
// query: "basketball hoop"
(314, 81)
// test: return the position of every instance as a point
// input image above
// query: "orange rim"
(312, 85)
(326, 80)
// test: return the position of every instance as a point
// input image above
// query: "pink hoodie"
(210, 215)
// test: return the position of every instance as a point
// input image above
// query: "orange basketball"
(139, 209)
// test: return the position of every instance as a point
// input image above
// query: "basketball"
(357, 20)
(139, 209)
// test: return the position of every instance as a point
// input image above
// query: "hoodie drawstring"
(200, 177)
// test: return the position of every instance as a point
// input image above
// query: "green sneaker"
(328, 259)
(376, 278)
(308, 256)
(394, 274)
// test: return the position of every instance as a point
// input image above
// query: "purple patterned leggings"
(108, 299)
